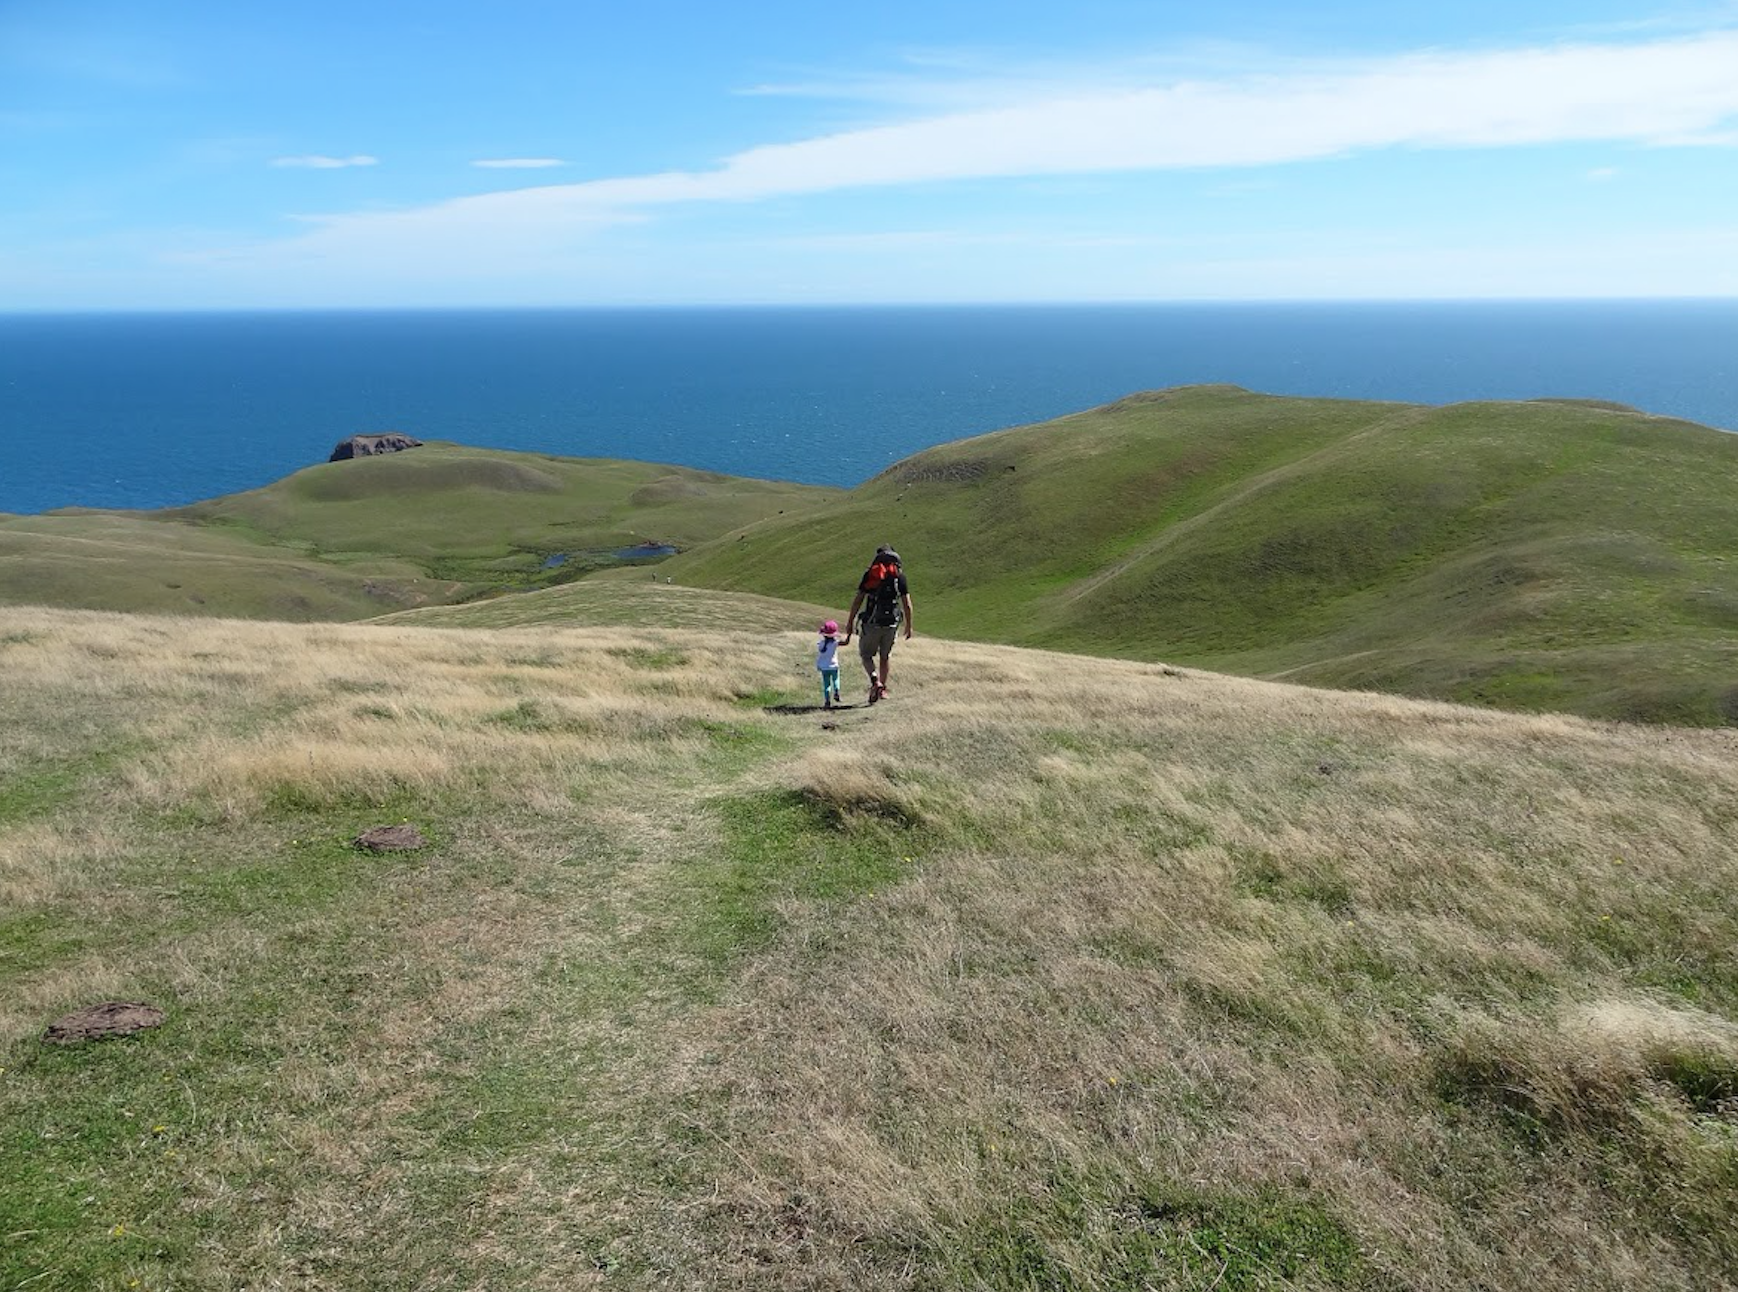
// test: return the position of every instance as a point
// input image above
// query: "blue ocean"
(141, 411)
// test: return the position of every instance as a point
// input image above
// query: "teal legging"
(829, 683)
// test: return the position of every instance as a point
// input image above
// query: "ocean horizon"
(131, 410)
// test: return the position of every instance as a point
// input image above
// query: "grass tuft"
(844, 788)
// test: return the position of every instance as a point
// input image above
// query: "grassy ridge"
(624, 599)
(349, 540)
(131, 562)
(451, 503)
(1049, 972)
(1535, 555)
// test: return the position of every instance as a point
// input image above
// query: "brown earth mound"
(390, 838)
(111, 1018)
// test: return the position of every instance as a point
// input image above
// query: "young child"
(827, 662)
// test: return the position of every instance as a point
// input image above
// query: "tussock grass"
(626, 599)
(1048, 972)
(843, 786)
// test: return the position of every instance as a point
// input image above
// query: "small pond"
(639, 552)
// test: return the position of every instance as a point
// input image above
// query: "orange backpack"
(882, 584)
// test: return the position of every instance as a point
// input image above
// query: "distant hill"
(349, 540)
(1543, 555)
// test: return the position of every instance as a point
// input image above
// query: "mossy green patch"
(1087, 1234)
(42, 786)
(784, 844)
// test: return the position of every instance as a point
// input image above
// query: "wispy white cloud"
(1601, 174)
(1701, 139)
(960, 80)
(1657, 92)
(518, 163)
(1691, 17)
(317, 162)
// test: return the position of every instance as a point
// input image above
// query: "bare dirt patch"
(95, 1022)
(390, 838)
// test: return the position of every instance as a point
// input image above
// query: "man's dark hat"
(888, 552)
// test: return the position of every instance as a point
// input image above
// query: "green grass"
(1080, 1234)
(39, 789)
(789, 845)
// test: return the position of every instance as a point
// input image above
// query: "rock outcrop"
(366, 446)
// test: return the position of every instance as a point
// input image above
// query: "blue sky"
(179, 155)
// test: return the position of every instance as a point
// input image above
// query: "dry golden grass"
(1239, 936)
(1047, 972)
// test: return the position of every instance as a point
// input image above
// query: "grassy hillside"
(1050, 972)
(347, 540)
(1556, 554)
(131, 562)
(622, 599)
(489, 510)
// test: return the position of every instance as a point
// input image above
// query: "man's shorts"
(876, 639)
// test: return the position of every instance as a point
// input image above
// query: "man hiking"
(884, 601)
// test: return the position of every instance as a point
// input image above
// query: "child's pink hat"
(830, 628)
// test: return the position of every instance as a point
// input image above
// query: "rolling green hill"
(490, 511)
(134, 562)
(349, 540)
(1552, 554)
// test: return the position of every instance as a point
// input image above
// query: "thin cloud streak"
(518, 163)
(317, 162)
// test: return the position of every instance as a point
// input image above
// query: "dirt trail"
(1249, 488)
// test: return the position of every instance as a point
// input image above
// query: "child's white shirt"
(827, 653)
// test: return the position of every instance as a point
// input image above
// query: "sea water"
(136, 410)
